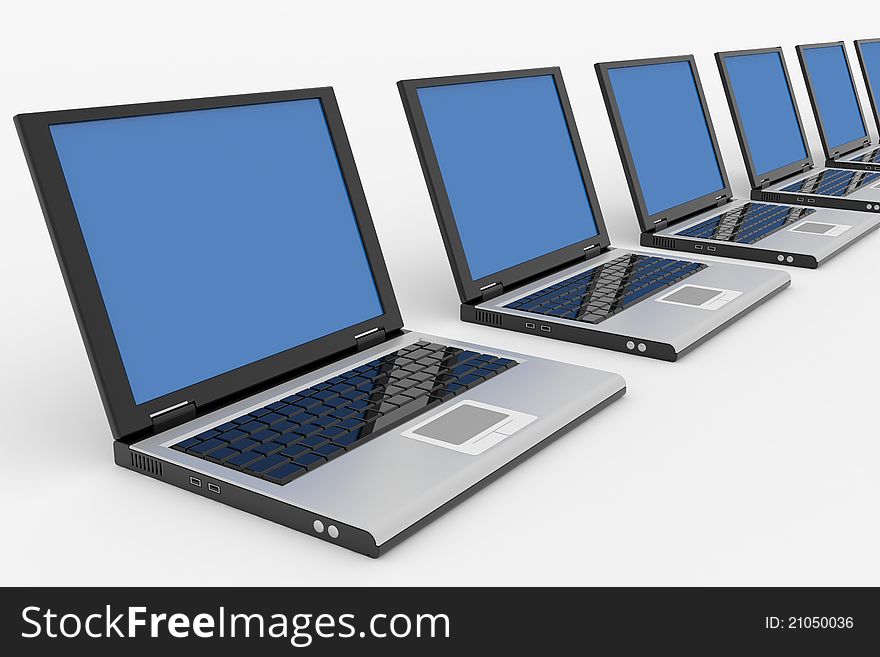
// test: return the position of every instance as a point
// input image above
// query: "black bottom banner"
(436, 621)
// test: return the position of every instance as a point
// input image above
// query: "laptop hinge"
(590, 251)
(765, 183)
(660, 224)
(491, 291)
(721, 200)
(370, 338)
(806, 166)
(172, 416)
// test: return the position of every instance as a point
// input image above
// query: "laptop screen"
(870, 51)
(218, 237)
(667, 133)
(835, 95)
(509, 168)
(770, 123)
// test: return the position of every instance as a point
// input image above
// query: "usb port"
(698, 247)
(711, 248)
(811, 200)
(800, 200)
(530, 325)
(546, 329)
(214, 488)
(195, 481)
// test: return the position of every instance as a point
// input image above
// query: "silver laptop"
(839, 117)
(774, 146)
(525, 236)
(243, 331)
(679, 184)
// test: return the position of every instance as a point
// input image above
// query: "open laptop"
(243, 331)
(525, 236)
(832, 91)
(774, 146)
(680, 187)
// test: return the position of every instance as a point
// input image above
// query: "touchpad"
(470, 427)
(699, 296)
(461, 424)
(820, 228)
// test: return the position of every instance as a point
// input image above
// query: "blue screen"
(871, 59)
(218, 237)
(769, 121)
(835, 95)
(667, 133)
(509, 168)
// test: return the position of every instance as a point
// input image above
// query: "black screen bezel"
(649, 222)
(470, 289)
(872, 93)
(127, 418)
(831, 151)
(782, 172)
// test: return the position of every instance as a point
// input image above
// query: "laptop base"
(727, 250)
(808, 200)
(296, 518)
(549, 328)
(857, 166)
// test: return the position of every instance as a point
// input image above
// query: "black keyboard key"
(310, 461)
(272, 418)
(305, 403)
(329, 451)
(313, 441)
(206, 447)
(226, 426)
(243, 459)
(184, 445)
(284, 473)
(219, 455)
(252, 427)
(308, 430)
(268, 448)
(243, 444)
(295, 451)
(265, 464)
(265, 435)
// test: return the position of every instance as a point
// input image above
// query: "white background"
(752, 461)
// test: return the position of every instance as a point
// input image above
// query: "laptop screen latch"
(765, 183)
(370, 338)
(721, 200)
(172, 416)
(491, 291)
(660, 224)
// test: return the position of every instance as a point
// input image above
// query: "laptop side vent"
(146, 464)
(664, 242)
(485, 317)
(773, 198)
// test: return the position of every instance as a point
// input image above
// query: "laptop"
(832, 91)
(774, 146)
(680, 187)
(234, 302)
(525, 235)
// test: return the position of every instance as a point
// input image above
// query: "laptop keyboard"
(596, 294)
(870, 156)
(299, 433)
(834, 182)
(748, 223)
